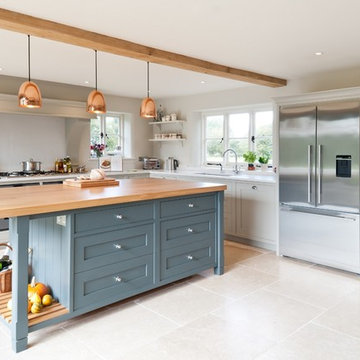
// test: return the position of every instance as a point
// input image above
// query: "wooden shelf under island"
(48, 312)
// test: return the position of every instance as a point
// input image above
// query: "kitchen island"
(96, 246)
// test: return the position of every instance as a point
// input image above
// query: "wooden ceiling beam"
(50, 30)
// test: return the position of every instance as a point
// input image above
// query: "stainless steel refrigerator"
(319, 183)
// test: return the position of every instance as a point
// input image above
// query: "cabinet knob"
(118, 279)
(119, 217)
(254, 187)
(190, 257)
(118, 246)
(190, 205)
(189, 230)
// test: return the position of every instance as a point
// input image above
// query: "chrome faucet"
(236, 168)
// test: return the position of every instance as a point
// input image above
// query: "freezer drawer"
(322, 239)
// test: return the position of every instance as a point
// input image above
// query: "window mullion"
(226, 137)
(252, 131)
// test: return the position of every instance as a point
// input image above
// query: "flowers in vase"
(97, 149)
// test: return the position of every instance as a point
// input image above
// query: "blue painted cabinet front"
(105, 254)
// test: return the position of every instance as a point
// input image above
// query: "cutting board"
(91, 183)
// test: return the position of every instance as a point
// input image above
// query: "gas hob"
(17, 174)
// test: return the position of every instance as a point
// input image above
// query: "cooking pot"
(31, 165)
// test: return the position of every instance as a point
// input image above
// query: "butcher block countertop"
(31, 200)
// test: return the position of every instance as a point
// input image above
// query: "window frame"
(103, 138)
(251, 110)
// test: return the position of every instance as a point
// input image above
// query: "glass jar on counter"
(67, 165)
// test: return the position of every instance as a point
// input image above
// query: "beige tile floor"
(263, 307)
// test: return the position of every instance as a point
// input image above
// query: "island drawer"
(193, 257)
(187, 205)
(115, 216)
(93, 251)
(116, 281)
(186, 230)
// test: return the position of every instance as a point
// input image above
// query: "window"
(108, 130)
(242, 131)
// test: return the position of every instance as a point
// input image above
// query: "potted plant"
(250, 158)
(263, 160)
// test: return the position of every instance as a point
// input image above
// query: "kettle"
(171, 164)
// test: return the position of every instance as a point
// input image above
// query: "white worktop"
(257, 176)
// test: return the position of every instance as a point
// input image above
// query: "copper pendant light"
(148, 107)
(96, 101)
(29, 94)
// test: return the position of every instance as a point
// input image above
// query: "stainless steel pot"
(31, 165)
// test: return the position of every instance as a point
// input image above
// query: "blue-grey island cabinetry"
(92, 256)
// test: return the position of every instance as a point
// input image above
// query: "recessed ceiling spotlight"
(319, 53)
(1, 68)
(86, 82)
(202, 82)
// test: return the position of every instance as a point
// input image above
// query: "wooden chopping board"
(91, 183)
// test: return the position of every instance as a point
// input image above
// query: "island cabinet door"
(121, 216)
(187, 245)
(187, 260)
(101, 286)
(187, 205)
(99, 249)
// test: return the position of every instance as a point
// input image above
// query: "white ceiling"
(273, 37)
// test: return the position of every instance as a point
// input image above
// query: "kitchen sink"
(215, 174)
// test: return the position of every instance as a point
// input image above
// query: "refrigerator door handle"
(309, 173)
(319, 175)
(309, 211)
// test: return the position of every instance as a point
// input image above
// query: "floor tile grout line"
(84, 343)
(145, 343)
(335, 330)
(230, 298)
(294, 299)
(309, 322)
(161, 315)
(279, 342)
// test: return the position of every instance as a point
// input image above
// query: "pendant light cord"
(29, 56)
(96, 70)
(148, 81)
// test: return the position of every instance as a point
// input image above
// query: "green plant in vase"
(250, 158)
(263, 160)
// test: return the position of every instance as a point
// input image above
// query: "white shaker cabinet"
(256, 213)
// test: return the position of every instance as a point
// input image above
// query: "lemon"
(47, 300)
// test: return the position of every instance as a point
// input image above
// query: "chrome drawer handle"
(118, 279)
(118, 246)
(254, 187)
(190, 205)
(190, 257)
(119, 217)
(189, 230)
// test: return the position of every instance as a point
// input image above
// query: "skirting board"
(250, 242)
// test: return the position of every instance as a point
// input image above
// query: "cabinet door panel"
(258, 212)
(118, 281)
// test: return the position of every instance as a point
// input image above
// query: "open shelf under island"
(96, 246)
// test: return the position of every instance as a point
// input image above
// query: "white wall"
(23, 137)
(189, 108)
(52, 138)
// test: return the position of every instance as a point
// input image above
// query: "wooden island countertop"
(31, 200)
